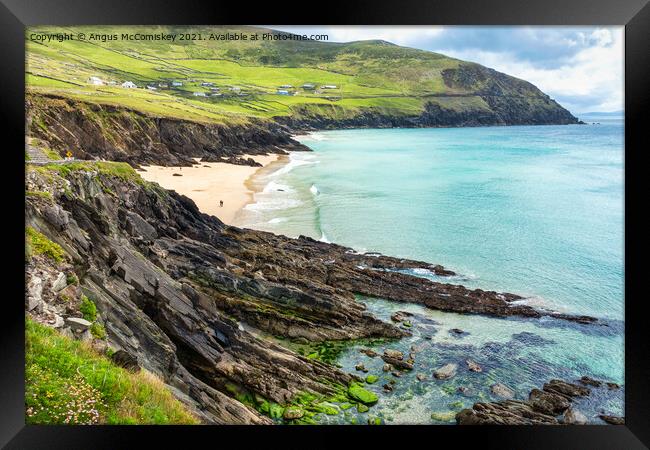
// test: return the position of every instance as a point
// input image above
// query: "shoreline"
(207, 183)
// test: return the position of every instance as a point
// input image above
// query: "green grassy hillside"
(364, 76)
(67, 382)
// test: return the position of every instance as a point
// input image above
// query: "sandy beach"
(208, 183)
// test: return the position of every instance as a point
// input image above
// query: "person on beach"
(221, 203)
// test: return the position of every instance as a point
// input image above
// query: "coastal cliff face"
(95, 131)
(185, 295)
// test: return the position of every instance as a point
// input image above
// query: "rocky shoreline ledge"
(173, 286)
(552, 405)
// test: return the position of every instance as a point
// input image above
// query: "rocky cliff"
(185, 295)
(96, 131)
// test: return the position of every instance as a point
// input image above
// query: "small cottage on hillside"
(129, 85)
(198, 94)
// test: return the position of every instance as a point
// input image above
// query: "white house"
(96, 81)
(329, 86)
(199, 94)
(129, 85)
(235, 89)
(308, 86)
(283, 92)
(177, 83)
(152, 88)
(286, 86)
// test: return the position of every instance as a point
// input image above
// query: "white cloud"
(591, 80)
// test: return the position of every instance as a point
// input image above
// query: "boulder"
(574, 417)
(548, 402)
(502, 391)
(362, 395)
(445, 372)
(566, 389)
(473, 366)
(293, 412)
(612, 420)
(421, 377)
(393, 354)
(34, 293)
(369, 352)
(590, 381)
(77, 324)
(60, 283)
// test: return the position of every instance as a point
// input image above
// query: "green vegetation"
(244, 76)
(39, 194)
(39, 244)
(67, 382)
(98, 331)
(361, 394)
(88, 309)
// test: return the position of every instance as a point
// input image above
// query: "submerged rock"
(363, 395)
(612, 420)
(393, 354)
(445, 372)
(502, 391)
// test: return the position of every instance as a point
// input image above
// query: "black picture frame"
(15, 15)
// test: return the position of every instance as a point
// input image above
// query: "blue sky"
(580, 67)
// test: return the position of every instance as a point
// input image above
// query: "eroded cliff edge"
(179, 290)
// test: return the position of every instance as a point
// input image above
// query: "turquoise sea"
(532, 210)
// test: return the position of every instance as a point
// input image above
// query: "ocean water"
(532, 210)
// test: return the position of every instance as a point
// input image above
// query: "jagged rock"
(77, 324)
(126, 360)
(473, 366)
(502, 391)
(421, 377)
(590, 381)
(396, 374)
(612, 386)
(387, 368)
(574, 417)
(34, 293)
(548, 402)
(361, 367)
(457, 332)
(445, 372)
(568, 390)
(59, 283)
(400, 316)
(508, 412)
(387, 387)
(612, 420)
(399, 364)
(393, 354)
(58, 321)
(369, 352)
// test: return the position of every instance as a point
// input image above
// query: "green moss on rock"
(356, 392)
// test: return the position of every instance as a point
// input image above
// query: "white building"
(328, 86)
(96, 81)
(152, 88)
(199, 94)
(129, 85)
(177, 83)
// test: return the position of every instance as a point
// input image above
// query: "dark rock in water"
(396, 374)
(369, 352)
(456, 331)
(387, 387)
(393, 354)
(421, 377)
(612, 386)
(590, 381)
(445, 372)
(361, 368)
(387, 368)
(177, 174)
(406, 365)
(508, 412)
(612, 420)
(400, 316)
(566, 389)
(126, 360)
(542, 408)
(548, 402)
(473, 366)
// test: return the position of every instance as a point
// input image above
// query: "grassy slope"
(368, 74)
(68, 382)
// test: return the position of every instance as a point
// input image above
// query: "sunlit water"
(536, 211)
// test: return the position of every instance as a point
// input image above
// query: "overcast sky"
(580, 67)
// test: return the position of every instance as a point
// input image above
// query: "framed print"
(404, 221)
